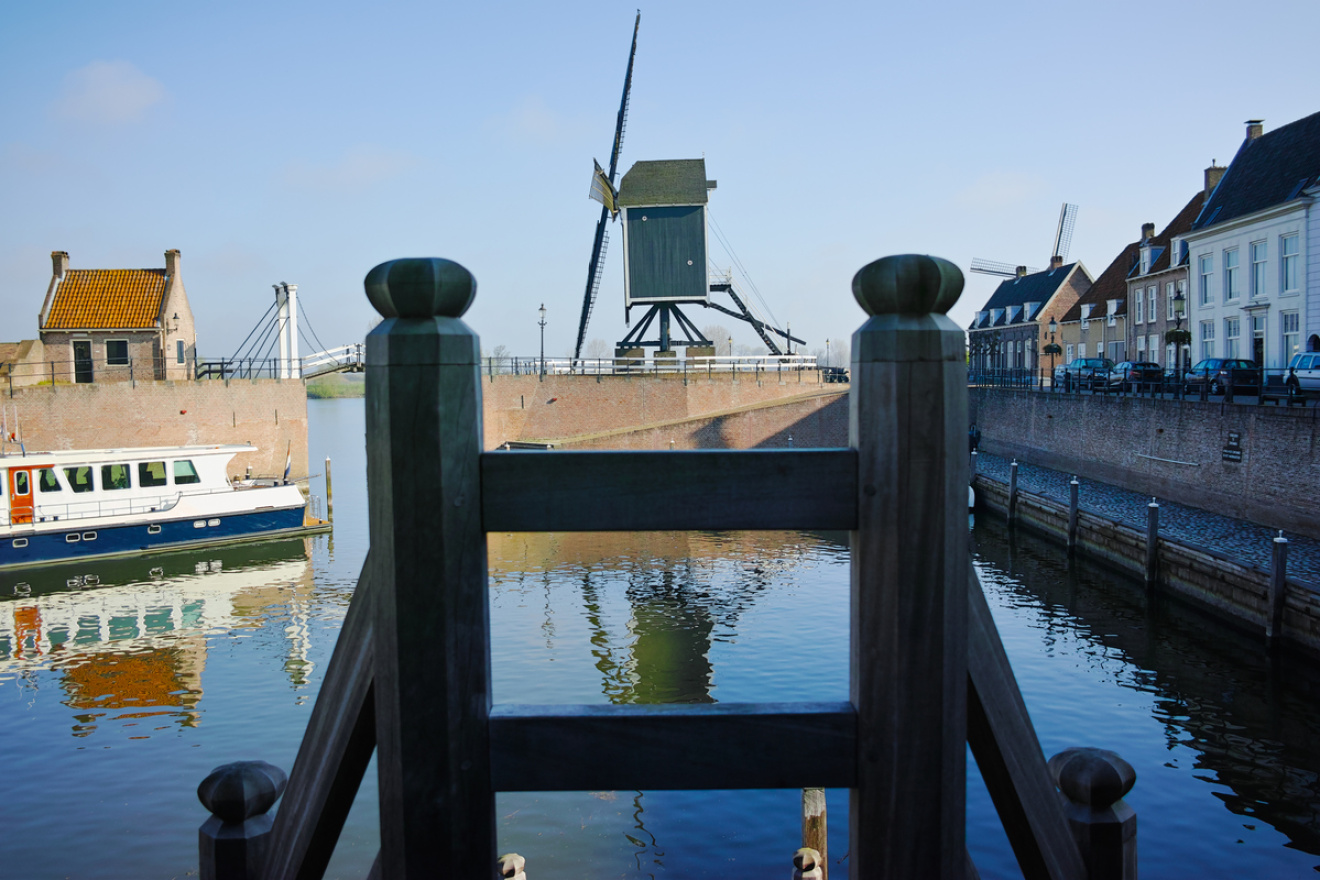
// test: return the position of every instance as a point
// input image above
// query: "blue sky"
(307, 142)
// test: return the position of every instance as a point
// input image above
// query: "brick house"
(1096, 324)
(110, 325)
(1011, 331)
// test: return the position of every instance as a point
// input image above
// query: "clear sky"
(307, 142)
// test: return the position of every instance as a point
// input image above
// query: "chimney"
(1055, 262)
(172, 263)
(1255, 128)
(60, 262)
(1147, 231)
(1021, 271)
(1213, 175)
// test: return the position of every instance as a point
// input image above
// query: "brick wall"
(532, 408)
(265, 413)
(1167, 448)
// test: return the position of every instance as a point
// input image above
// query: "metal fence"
(758, 364)
(1237, 386)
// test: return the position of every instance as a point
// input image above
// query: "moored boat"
(83, 504)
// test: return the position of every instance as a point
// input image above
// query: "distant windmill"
(1062, 241)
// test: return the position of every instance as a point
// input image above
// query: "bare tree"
(597, 349)
(720, 335)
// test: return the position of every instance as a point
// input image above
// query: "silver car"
(1307, 367)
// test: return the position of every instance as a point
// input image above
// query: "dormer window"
(1086, 311)
(1145, 260)
(995, 315)
(1012, 314)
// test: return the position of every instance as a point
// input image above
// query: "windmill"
(602, 189)
(1062, 241)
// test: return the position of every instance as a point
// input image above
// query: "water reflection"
(1227, 713)
(127, 639)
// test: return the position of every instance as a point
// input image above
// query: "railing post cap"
(510, 865)
(1096, 777)
(908, 284)
(420, 287)
(236, 792)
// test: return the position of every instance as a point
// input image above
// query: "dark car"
(1216, 374)
(1083, 373)
(1135, 375)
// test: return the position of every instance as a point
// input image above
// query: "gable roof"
(1111, 284)
(1037, 287)
(1179, 225)
(1267, 170)
(107, 299)
(664, 182)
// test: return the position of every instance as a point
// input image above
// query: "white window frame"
(1139, 306)
(1290, 277)
(1290, 328)
(1207, 339)
(1259, 268)
(1232, 336)
(1205, 266)
(1232, 286)
(1153, 347)
(1141, 346)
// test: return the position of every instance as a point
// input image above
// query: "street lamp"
(827, 352)
(542, 323)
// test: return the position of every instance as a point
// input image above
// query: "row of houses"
(1229, 274)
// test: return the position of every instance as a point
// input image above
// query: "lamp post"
(827, 352)
(542, 324)
(1054, 349)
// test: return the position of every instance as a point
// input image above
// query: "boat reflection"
(127, 639)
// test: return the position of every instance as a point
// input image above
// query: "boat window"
(46, 480)
(114, 476)
(21, 483)
(80, 478)
(151, 473)
(184, 472)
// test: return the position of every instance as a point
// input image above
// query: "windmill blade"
(1063, 236)
(598, 246)
(991, 267)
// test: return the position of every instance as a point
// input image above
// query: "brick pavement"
(1239, 539)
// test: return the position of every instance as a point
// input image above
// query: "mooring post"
(1152, 544)
(1073, 488)
(1278, 590)
(232, 843)
(908, 659)
(808, 865)
(815, 834)
(1094, 781)
(1012, 492)
(329, 492)
(512, 866)
(428, 549)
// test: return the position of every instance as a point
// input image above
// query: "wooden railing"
(410, 676)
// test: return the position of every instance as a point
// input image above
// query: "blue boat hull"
(43, 548)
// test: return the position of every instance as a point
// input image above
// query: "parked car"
(1130, 375)
(1083, 372)
(1307, 369)
(1217, 373)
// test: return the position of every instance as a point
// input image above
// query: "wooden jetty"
(410, 676)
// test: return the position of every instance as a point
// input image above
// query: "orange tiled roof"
(91, 299)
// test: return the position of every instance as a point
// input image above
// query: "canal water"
(122, 685)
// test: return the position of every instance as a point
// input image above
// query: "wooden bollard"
(1105, 828)
(1073, 493)
(232, 843)
(808, 865)
(1012, 492)
(1152, 544)
(512, 866)
(329, 492)
(1278, 590)
(815, 833)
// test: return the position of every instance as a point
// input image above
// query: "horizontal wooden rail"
(690, 747)
(653, 491)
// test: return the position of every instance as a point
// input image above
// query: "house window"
(116, 352)
(1231, 284)
(1206, 267)
(1170, 355)
(1258, 265)
(1232, 330)
(1290, 324)
(1288, 279)
(1207, 339)
(1081, 349)
(1139, 306)
(1141, 345)
(178, 357)
(1153, 347)
(1070, 355)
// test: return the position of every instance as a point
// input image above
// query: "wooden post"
(1152, 544)
(1012, 492)
(1278, 590)
(815, 834)
(808, 865)
(1104, 826)
(1073, 488)
(432, 686)
(908, 409)
(329, 492)
(232, 843)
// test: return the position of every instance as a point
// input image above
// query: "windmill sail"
(598, 246)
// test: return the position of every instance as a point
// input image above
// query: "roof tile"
(107, 299)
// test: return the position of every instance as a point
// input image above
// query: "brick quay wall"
(1259, 463)
(269, 414)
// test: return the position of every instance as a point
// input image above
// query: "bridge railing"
(410, 677)
(532, 366)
